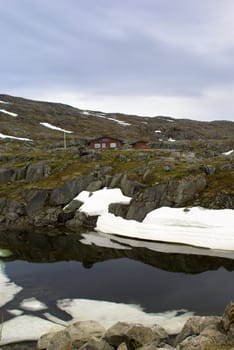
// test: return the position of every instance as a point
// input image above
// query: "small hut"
(105, 142)
(140, 145)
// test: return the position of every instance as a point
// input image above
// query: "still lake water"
(60, 265)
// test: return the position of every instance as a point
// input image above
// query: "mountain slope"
(190, 163)
(21, 117)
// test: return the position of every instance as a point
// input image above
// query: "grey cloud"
(123, 47)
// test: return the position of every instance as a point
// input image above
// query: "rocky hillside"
(21, 118)
(38, 177)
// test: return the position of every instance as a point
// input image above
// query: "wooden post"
(64, 140)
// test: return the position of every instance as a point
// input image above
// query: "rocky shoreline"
(198, 333)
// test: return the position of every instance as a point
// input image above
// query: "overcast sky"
(146, 57)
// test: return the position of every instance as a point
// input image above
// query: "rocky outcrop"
(196, 325)
(30, 173)
(37, 171)
(73, 337)
(172, 193)
(130, 188)
(222, 200)
(81, 219)
(8, 175)
(65, 193)
(11, 211)
(45, 207)
(211, 332)
(147, 198)
(59, 341)
(134, 335)
(198, 333)
(228, 317)
(36, 200)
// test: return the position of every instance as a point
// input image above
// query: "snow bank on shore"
(104, 312)
(108, 313)
(26, 328)
(198, 227)
(97, 203)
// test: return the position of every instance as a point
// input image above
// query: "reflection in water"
(63, 246)
(57, 265)
(90, 269)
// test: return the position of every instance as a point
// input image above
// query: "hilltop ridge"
(22, 118)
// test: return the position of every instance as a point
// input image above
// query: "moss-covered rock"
(42, 179)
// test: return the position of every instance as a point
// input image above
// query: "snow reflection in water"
(130, 286)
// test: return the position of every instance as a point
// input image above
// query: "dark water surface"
(52, 267)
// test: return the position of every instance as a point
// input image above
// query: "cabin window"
(103, 145)
(97, 145)
(113, 145)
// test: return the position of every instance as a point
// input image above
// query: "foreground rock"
(134, 335)
(198, 333)
(74, 336)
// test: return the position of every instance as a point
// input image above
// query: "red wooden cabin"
(105, 142)
(140, 145)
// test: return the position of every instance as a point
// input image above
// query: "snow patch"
(158, 131)
(85, 112)
(83, 196)
(121, 122)
(47, 125)
(26, 328)
(5, 102)
(15, 312)
(199, 227)
(54, 319)
(9, 113)
(228, 152)
(171, 139)
(167, 119)
(99, 201)
(118, 121)
(103, 115)
(8, 289)
(108, 313)
(104, 312)
(3, 136)
(32, 304)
